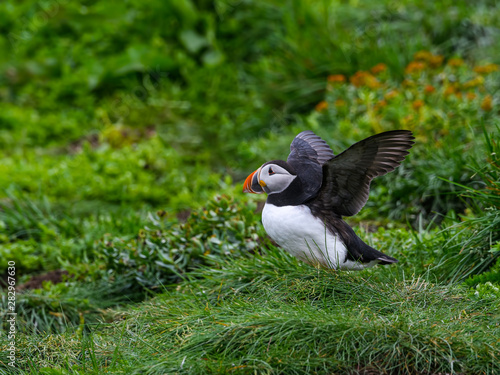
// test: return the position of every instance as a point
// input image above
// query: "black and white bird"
(310, 193)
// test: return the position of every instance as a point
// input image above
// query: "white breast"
(305, 236)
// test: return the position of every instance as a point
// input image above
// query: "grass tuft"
(271, 314)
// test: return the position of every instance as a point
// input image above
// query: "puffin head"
(279, 180)
(272, 177)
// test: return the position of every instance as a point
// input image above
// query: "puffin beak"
(252, 185)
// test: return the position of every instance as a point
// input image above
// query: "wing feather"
(347, 176)
(308, 145)
(308, 153)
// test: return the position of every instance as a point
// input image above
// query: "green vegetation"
(126, 129)
(269, 313)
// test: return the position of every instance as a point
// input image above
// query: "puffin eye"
(271, 172)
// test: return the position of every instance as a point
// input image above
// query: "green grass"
(271, 314)
(123, 125)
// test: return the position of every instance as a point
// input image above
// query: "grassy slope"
(270, 314)
(97, 136)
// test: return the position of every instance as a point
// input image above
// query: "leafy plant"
(470, 245)
(162, 254)
(486, 225)
(441, 102)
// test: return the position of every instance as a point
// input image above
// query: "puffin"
(309, 194)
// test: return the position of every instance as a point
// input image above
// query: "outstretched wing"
(307, 145)
(308, 153)
(347, 177)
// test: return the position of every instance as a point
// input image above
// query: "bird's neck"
(293, 195)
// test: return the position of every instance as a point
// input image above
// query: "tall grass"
(470, 246)
(272, 314)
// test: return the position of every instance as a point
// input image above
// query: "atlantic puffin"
(310, 192)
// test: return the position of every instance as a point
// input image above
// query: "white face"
(274, 179)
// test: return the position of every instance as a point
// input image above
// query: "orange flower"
(435, 61)
(363, 78)
(456, 61)
(414, 66)
(379, 68)
(336, 78)
(321, 106)
(486, 69)
(449, 90)
(417, 104)
(487, 103)
(429, 89)
(422, 56)
(381, 104)
(471, 96)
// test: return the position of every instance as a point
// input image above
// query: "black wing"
(308, 153)
(307, 145)
(347, 177)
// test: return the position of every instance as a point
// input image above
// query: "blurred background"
(119, 119)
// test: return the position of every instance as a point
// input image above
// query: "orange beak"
(252, 185)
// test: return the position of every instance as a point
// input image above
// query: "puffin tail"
(358, 250)
(370, 254)
(386, 259)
